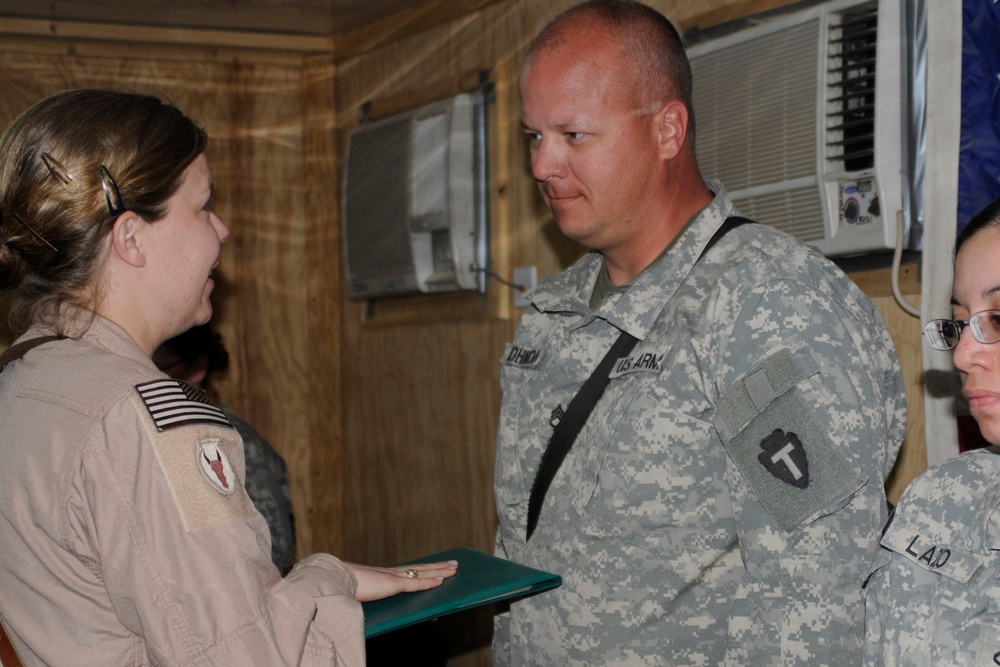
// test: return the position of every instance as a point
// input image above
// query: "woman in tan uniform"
(126, 536)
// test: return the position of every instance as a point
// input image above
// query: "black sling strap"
(728, 225)
(15, 352)
(571, 423)
(576, 415)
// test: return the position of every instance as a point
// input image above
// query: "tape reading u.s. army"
(931, 554)
(640, 362)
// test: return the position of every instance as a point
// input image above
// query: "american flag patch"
(172, 403)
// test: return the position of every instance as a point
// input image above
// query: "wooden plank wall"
(386, 412)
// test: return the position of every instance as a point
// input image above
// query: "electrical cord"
(500, 279)
(896, 260)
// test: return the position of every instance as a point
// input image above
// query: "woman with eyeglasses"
(934, 598)
(126, 535)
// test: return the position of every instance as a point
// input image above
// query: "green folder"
(481, 579)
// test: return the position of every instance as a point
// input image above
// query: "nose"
(968, 350)
(220, 228)
(548, 159)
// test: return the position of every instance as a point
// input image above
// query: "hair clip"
(111, 193)
(57, 169)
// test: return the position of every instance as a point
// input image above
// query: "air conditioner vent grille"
(758, 99)
(796, 211)
(376, 244)
(850, 118)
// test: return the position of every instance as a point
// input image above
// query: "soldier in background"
(198, 355)
(722, 503)
(934, 598)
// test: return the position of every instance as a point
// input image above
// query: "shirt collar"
(86, 327)
(636, 308)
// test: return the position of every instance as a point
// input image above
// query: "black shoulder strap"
(728, 225)
(15, 352)
(571, 423)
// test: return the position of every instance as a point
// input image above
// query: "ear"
(672, 125)
(124, 238)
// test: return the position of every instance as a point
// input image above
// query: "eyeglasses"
(945, 334)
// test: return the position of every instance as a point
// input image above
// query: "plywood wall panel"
(419, 432)
(325, 467)
(421, 400)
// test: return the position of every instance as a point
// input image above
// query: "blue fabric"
(979, 153)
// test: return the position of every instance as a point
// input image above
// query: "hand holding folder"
(481, 579)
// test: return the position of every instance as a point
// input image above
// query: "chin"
(990, 431)
(203, 315)
(576, 231)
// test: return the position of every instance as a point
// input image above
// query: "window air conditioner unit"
(413, 201)
(800, 117)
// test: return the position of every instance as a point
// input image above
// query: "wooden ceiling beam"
(165, 35)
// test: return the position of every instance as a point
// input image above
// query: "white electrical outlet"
(525, 278)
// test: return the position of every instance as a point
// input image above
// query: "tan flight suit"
(126, 537)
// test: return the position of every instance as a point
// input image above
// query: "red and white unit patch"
(215, 466)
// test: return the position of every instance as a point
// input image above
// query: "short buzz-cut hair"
(649, 42)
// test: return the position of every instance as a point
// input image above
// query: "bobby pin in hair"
(33, 232)
(111, 193)
(57, 169)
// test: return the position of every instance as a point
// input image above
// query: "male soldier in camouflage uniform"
(722, 504)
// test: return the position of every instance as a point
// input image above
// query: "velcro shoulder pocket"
(786, 457)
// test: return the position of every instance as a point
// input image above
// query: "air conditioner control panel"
(859, 203)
